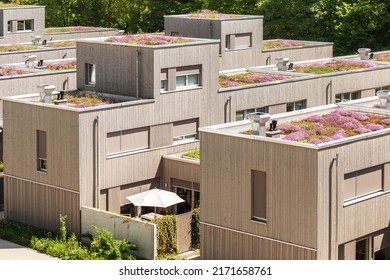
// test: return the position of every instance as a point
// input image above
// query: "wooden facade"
(304, 194)
(34, 13)
(221, 29)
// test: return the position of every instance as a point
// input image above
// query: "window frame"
(90, 74)
(122, 135)
(176, 139)
(355, 176)
(41, 151)
(23, 24)
(230, 41)
(259, 187)
(294, 105)
(252, 110)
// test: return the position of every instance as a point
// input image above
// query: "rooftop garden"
(210, 15)
(195, 154)
(16, 48)
(279, 44)
(70, 29)
(333, 66)
(9, 71)
(60, 65)
(338, 124)
(61, 44)
(382, 57)
(244, 79)
(8, 5)
(84, 100)
(146, 39)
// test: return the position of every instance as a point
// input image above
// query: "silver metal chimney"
(258, 121)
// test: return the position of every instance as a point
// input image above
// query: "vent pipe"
(364, 53)
(258, 121)
(30, 61)
(45, 92)
(35, 39)
(384, 98)
(282, 63)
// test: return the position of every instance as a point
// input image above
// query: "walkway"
(12, 251)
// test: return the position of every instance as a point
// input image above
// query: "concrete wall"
(142, 234)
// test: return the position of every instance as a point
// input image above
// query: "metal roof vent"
(35, 39)
(384, 98)
(282, 63)
(258, 121)
(30, 61)
(45, 92)
(364, 53)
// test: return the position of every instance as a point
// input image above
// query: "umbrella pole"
(154, 212)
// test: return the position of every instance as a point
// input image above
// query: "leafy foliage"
(193, 154)
(166, 235)
(195, 229)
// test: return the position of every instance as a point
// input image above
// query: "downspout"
(228, 102)
(96, 202)
(268, 60)
(138, 53)
(337, 206)
(335, 160)
(329, 92)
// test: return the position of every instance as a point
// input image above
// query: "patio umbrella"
(155, 198)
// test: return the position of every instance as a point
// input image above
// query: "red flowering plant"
(146, 39)
(243, 79)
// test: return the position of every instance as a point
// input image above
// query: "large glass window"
(189, 192)
(41, 151)
(259, 196)
(363, 182)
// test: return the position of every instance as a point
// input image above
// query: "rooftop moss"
(146, 39)
(333, 66)
(280, 44)
(243, 79)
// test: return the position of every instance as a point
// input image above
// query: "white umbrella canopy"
(155, 198)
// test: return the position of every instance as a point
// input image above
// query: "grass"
(69, 29)
(85, 100)
(61, 44)
(279, 44)
(333, 66)
(16, 48)
(195, 154)
(382, 56)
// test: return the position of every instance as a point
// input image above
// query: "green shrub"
(195, 229)
(1, 166)
(105, 247)
(166, 235)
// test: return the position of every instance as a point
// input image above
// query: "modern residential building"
(241, 39)
(320, 194)
(152, 99)
(70, 157)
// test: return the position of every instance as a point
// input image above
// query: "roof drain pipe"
(96, 191)
(138, 54)
(329, 92)
(335, 161)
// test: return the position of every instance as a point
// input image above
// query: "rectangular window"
(10, 26)
(296, 105)
(41, 151)
(259, 196)
(342, 97)
(91, 73)
(25, 25)
(185, 130)
(127, 140)
(238, 41)
(164, 80)
(242, 115)
(188, 77)
(189, 192)
(363, 182)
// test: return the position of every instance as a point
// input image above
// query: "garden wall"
(143, 234)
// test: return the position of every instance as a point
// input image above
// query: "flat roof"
(149, 41)
(318, 127)
(209, 15)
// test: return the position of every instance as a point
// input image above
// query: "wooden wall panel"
(20, 153)
(291, 171)
(222, 244)
(41, 205)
